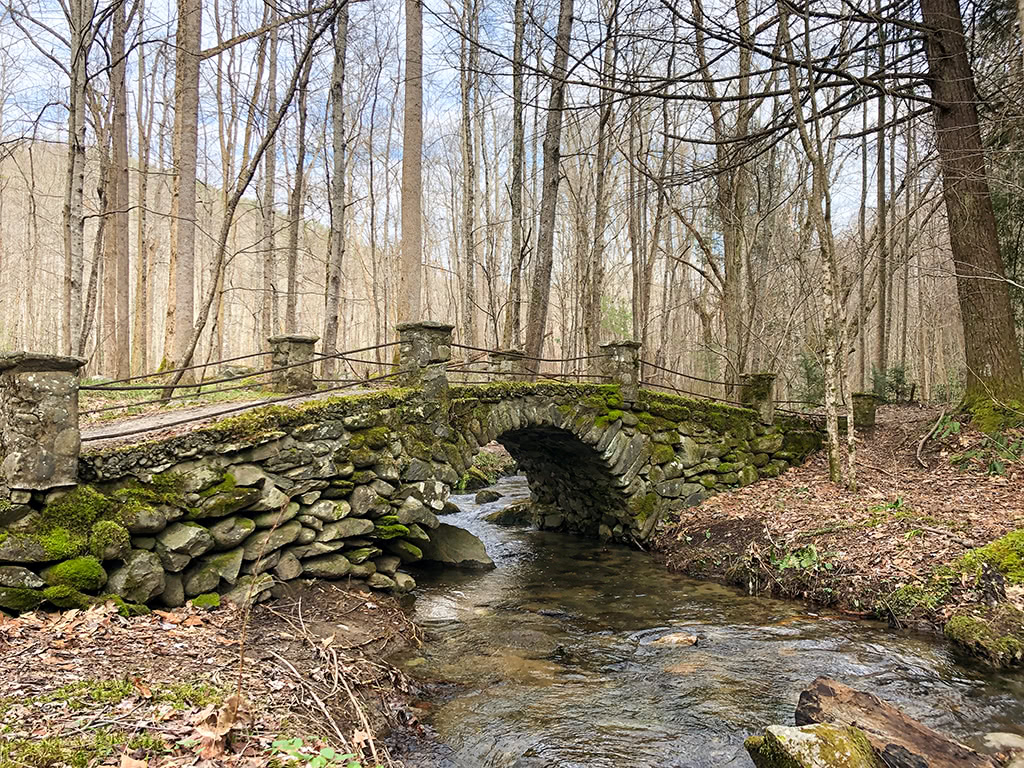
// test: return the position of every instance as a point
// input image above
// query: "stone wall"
(349, 488)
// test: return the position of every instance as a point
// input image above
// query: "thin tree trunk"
(268, 303)
(295, 206)
(411, 272)
(332, 308)
(513, 317)
(540, 291)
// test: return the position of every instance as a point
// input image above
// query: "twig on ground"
(927, 437)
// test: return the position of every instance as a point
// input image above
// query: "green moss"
(643, 507)
(1006, 555)
(208, 601)
(992, 417)
(109, 537)
(995, 634)
(609, 417)
(20, 600)
(64, 596)
(388, 527)
(662, 454)
(189, 695)
(226, 484)
(124, 608)
(60, 543)
(361, 477)
(375, 438)
(91, 748)
(914, 600)
(77, 510)
(82, 573)
(164, 488)
(82, 694)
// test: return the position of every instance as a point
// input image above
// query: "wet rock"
(449, 508)
(997, 741)
(676, 638)
(487, 495)
(406, 550)
(812, 746)
(514, 514)
(455, 546)
(140, 579)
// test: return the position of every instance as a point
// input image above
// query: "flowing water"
(554, 656)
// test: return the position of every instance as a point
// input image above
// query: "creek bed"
(555, 659)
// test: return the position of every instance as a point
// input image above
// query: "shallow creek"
(554, 659)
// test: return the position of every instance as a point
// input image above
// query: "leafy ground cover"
(933, 547)
(301, 683)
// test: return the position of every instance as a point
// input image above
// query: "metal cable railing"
(687, 393)
(234, 409)
(169, 371)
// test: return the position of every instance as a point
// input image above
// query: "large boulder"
(140, 579)
(812, 746)
(455, 546)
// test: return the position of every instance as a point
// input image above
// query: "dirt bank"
(91, 688)
(936, 547)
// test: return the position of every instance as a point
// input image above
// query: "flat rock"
(812, 746)
(344, 529)
(231, 531)
(20, 577)
(327, 567)
(330, 510)
(269, 540)
(276, 516)
(455, 546)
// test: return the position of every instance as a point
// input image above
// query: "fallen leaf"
(131, 762)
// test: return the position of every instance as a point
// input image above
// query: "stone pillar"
(289, 349)
(423, 354)
(864, 404)
(39, 437)
(508, 362)
(622, 364)
(757, 391)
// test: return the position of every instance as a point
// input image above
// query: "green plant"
(890, 384)
(804, 559)
(325, 757)
(811, 386)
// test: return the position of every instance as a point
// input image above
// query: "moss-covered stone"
(822, 745)
(207, 601)
(82, 573)
(1005, 554)
(124, 607)
(19, 600)
(109, 540)
(64, 596)
(995, 634)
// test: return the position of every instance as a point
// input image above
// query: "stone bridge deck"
(351, 486)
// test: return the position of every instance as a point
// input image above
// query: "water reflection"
(555, 651)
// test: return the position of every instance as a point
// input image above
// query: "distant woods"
(831, 191)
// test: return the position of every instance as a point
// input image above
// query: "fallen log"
(900, 741)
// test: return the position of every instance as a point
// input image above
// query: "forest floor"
(93, 688)
(907, 546)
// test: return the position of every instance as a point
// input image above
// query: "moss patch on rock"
(64, 596)
(207, 601)
(1005, 555)
(996, 634)
(82, 573)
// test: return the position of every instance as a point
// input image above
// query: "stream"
(553, 659)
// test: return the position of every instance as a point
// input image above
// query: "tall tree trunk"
(268, 298)
(295, 205)
(993, 356)
(181, 281)
(513, 316)
(467, 77)
(881, 220)
(119, 363)
(332, 308)
(540, 291)
(411, 272)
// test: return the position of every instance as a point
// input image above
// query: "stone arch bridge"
(348, 486)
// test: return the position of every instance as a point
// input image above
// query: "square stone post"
(622, 364)
(508, 362)
(864, 405)
(423, 354)
(292, 349)
(757, 391)
(39, 437)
